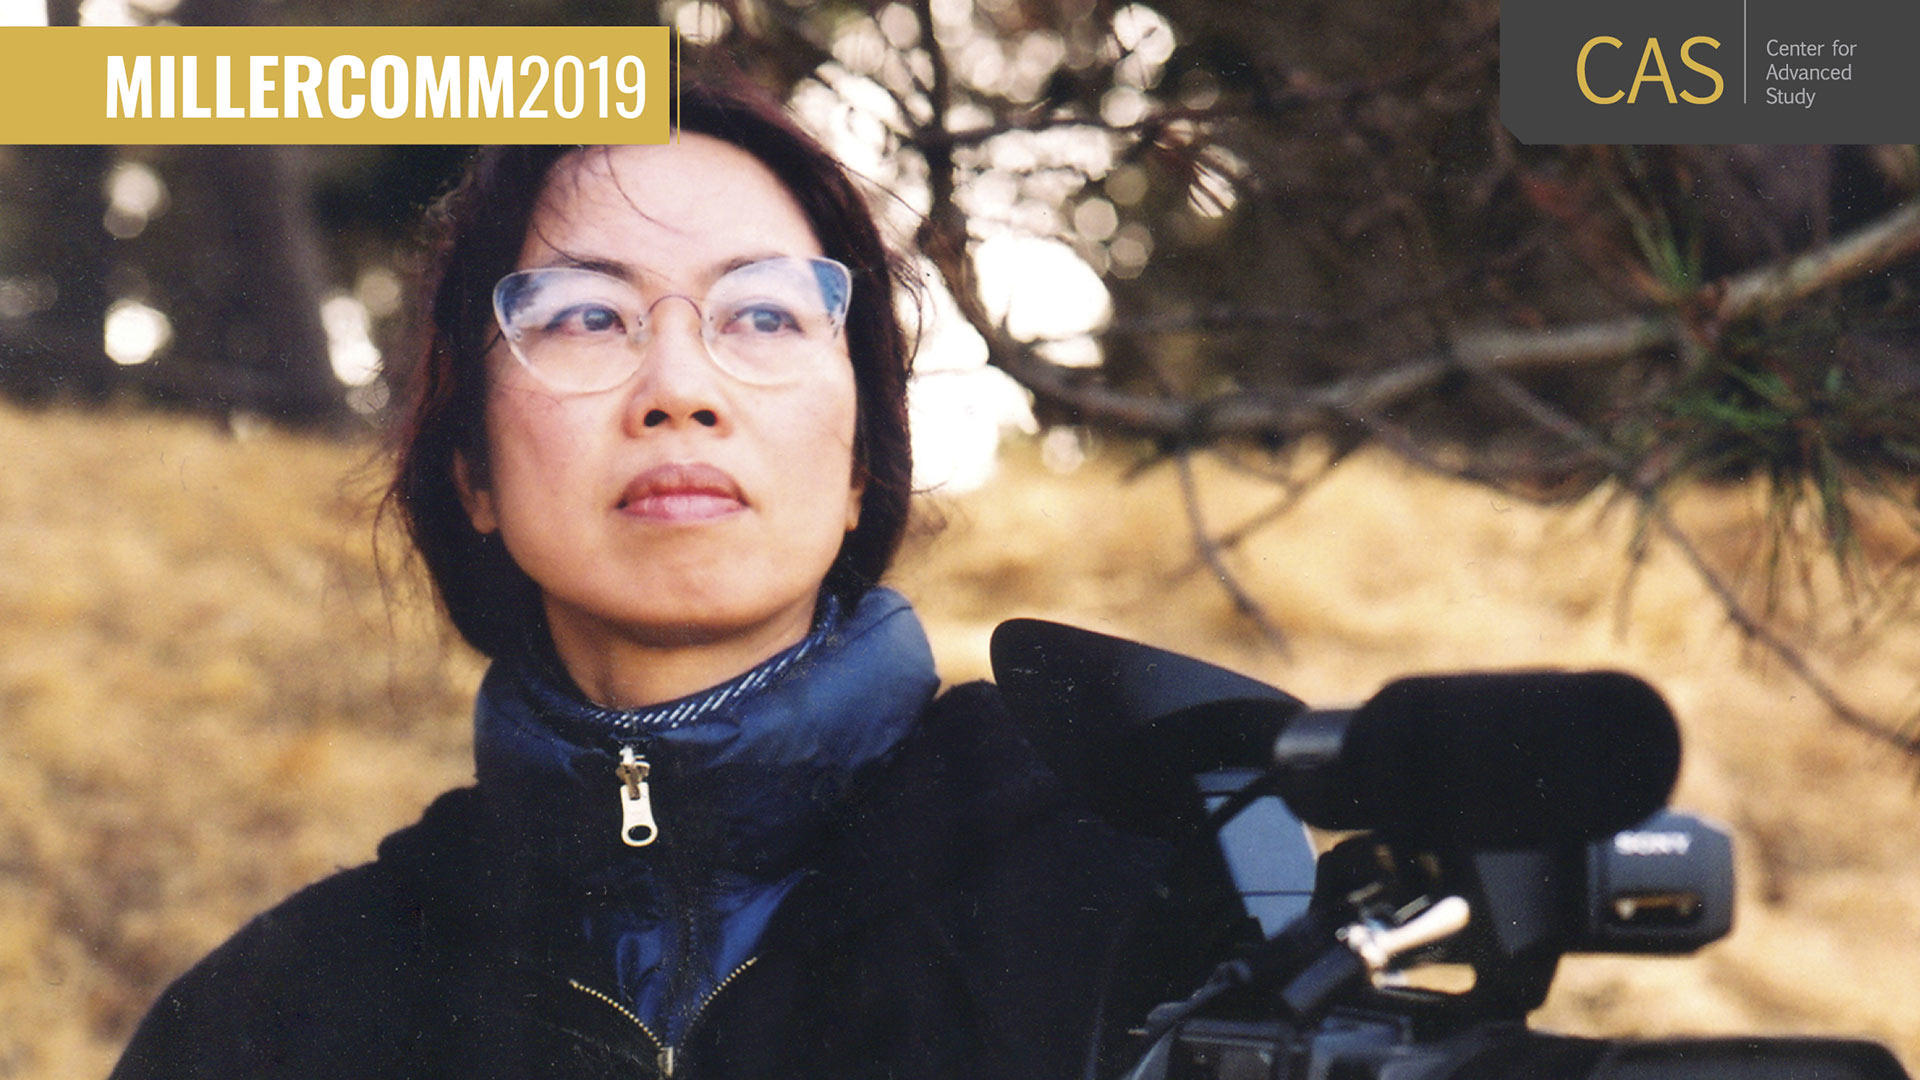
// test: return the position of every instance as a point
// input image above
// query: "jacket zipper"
(637, 827)
(665, 1058)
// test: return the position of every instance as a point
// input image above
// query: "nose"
(678, 385)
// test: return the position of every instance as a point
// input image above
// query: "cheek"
(534, 446)
(809, 451)
(825, 440)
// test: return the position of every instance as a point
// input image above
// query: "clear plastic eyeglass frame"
(765, 323)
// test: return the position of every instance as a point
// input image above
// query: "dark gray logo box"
(1790, 71)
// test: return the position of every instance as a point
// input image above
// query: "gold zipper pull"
(665, 1061)
(637, 827)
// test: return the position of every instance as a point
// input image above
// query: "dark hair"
(477, 233)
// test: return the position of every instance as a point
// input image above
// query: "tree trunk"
(244, 272)
(243, 275)
(53, 267)
(53, 296)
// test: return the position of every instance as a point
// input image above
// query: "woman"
(723, 826)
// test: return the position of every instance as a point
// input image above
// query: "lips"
(681, 492)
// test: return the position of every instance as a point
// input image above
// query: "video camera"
(1495, 822)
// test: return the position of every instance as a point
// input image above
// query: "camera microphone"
(1480, 760)
(1485, 760)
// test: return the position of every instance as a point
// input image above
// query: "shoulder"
(981, 857)
(1033, 842)
(967, 782)
(962, 784)
(315, 979)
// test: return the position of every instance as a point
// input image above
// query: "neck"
(621, 671)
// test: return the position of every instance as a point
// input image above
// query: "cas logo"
(1653, 69)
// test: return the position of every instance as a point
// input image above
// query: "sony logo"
(1652, 843)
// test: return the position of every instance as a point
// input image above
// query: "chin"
(709, 619)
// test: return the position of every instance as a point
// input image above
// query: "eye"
(762, 319)
(586, 319)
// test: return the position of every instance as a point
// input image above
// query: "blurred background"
(1246, 330)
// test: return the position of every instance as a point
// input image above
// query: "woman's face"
(682, 516)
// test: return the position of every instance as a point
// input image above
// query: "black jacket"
(960, 923)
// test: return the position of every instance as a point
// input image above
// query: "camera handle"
(1361, 950)
(1372, 947)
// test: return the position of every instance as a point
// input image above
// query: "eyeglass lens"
(763, 323)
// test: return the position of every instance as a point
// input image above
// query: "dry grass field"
(208, 698)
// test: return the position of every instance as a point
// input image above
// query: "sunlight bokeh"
(134, 332)
(1032, 280)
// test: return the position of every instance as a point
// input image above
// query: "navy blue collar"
(741, 783)
(560, 701)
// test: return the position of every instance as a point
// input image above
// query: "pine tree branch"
(1208, 549)
(1270, 416)
(1753, 627)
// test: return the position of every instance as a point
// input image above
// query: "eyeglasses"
(765, 323)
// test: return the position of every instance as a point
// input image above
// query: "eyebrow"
(629, 272)
(610, 267)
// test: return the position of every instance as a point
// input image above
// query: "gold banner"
(335, 84)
